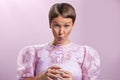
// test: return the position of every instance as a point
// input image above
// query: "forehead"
(61, 19)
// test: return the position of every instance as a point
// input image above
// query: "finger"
(55, 67)
(66, 74)
(51, 75)
(49, 78)
(65, 71)
(54, 71)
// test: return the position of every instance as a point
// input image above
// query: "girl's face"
(61, 28)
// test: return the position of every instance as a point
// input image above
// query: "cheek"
(55, 32)
(68, 32)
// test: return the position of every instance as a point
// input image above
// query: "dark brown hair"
(62, 9)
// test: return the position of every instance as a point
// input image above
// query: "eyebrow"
(58, 22)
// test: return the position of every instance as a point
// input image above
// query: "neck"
(65, 43)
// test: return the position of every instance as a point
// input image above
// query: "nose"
(61, 31)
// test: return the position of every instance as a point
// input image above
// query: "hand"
(51, 73)
(66, 75)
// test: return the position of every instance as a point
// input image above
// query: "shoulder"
(85, 50)
(90, 51)
(76, 47)
(32, 49)
(89, 48)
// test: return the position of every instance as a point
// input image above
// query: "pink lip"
(60, 39)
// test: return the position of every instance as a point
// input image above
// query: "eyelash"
(66, 25)
(57, 25)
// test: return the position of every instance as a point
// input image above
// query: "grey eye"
(56, 25)
(66, 26)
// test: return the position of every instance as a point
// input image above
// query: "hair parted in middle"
(65, 10)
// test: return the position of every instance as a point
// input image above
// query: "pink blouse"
(82, 61)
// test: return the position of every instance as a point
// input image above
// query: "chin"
(60, 42)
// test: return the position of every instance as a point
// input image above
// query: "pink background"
(25, 22)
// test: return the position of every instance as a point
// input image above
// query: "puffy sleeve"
(26, 63)
(91, 64)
